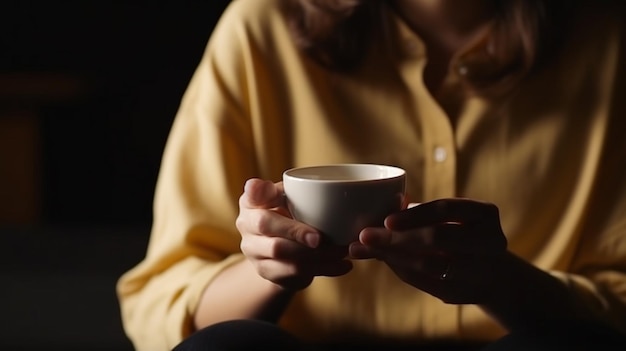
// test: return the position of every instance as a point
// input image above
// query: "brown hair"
(336, 33)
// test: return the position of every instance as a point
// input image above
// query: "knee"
(239, 335)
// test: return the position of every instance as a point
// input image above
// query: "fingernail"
(358, 251)
(312, 240)
(246, 185)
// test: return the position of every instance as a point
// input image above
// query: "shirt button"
(463, 70)
(440, 154)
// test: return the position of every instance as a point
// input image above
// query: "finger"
(443, 211)
(413, 267)
(292, 273)
(260, 193)
(375, 236)
(359, 251)
(444, 237)
(286, 274)
(447, 237)
(333, 269)
(264, 247)
(270, 223)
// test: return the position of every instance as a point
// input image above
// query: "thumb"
(259, 193)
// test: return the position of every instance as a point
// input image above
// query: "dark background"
(88, 92)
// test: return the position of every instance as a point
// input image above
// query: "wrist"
(523, 296)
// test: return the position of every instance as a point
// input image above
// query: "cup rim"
(289, 173)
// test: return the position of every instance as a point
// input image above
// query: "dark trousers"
(240, 335)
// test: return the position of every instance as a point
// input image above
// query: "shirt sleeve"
(599, 263)
(594, 261)
(208, 157)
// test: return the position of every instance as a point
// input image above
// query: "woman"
(508, 119)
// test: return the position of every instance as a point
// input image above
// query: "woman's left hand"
(449, 248)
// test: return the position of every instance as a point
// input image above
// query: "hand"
(448, 248)
(283, 250)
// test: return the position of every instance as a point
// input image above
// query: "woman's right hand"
(282, 250)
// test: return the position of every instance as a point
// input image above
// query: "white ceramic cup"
(341, 199)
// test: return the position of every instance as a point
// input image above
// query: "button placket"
(436, 131)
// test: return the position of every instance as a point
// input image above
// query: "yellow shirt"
(551, 155)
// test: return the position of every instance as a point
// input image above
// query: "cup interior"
(345, 172)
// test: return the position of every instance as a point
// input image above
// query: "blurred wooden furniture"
(23, 96)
